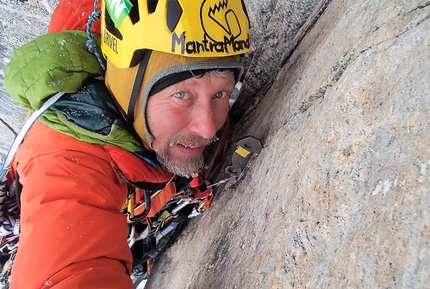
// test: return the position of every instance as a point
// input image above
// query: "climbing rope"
(91, 42)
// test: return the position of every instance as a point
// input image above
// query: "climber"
(122, 152)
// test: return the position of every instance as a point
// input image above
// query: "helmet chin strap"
(136, 86)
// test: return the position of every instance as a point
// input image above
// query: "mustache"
(191, 140)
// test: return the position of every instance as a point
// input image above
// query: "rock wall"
(276, 29)
(338, 93)
(339, 196)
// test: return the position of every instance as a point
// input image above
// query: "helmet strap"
(136, 86)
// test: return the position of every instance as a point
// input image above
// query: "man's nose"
(203, 122)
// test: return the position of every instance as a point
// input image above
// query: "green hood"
(60, 62)
(56, 62)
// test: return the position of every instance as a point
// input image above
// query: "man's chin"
(185, 167)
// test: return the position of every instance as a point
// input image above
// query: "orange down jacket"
(73, 232)
(73, 15)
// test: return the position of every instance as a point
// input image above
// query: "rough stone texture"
(274, 33)
(339, 196)
(20, 22)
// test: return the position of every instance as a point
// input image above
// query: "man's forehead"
(185, 77)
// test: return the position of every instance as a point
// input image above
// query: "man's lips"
(189, 149)
(190, 145)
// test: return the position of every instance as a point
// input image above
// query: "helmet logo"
(219, 13)
(118, 10)
(222, 30)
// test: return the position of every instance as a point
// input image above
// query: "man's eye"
(180, 95)
(219, 94)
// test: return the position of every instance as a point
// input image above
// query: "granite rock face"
(339, 195)
(276, 28)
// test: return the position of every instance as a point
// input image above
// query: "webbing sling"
(18, 139)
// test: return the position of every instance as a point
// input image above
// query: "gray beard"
(192, 165)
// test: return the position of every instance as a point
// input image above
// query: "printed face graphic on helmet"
(211, 28)
(217, 15)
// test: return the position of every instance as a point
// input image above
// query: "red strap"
(136, 169)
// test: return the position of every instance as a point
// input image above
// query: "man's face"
(184, 118)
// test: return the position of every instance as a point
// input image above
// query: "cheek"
(163, 120)
(150, 117)
(221, 114)
(156, 119)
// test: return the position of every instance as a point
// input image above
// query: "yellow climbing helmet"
(208, 28)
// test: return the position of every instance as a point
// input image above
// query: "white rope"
(18, 139)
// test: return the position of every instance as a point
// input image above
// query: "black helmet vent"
(110, 26)
(134, 12)
(152, 5)
(174, 13)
